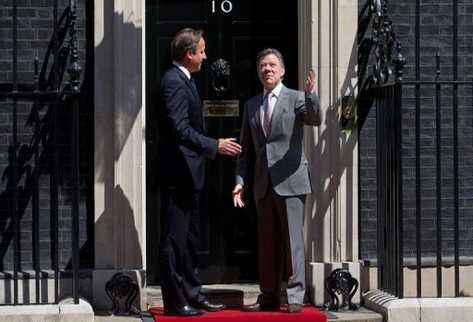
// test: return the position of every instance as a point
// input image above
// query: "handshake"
(229, 147)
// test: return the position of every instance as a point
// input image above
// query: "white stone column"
(119, 125)
(327, 38)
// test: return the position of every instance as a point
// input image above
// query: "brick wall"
(35, 23)
(436, 36)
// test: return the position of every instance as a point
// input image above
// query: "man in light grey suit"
(273, 157)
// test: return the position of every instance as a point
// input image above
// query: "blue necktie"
(193, 85)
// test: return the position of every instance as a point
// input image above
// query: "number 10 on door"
(226, 6)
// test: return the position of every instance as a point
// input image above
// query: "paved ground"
(105, 317)
(100, 318)
(363, 315)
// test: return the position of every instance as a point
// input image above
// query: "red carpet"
(310, 314)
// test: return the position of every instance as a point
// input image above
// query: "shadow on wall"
(331, 158)
(129, 256)
(118, 112)
(120, 94)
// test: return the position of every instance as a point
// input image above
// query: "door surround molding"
(328, 43)
(119, 126)
(119, 146)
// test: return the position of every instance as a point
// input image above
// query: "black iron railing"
(49, 92)
(389, 183)
(391, 250)
(385, 90)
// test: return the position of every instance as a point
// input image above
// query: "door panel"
(228, 243)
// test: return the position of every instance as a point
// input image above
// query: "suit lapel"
(256, 117)
(195, 106)
(188, 82)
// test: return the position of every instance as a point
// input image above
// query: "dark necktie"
(194, 87)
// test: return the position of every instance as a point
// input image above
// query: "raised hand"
(229, 147)
(309, 83)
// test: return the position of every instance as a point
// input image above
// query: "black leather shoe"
(256, 307)
(207, 306)
(185, 310)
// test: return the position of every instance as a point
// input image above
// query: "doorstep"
(234, 295)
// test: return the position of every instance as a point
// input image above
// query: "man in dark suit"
(273, 157)
(183, 149)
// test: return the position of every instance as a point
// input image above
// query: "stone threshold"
(65, 311)
(458, 309)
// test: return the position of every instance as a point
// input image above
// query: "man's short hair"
(186, 39)
(269, 51)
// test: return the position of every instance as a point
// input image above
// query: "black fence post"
(417, 153)
(438, 177)
(74, 72)
(398, 186)
(14, 159)
(455, 151)
(35, 205)
(55, 162)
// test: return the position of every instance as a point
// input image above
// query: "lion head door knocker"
(220, 77)
(122, 291)
(341, 283)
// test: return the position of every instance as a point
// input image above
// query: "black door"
(235, 30)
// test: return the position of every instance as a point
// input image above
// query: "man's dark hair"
(186, 39)
(269, 51)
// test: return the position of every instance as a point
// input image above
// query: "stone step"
(232, 295)
(235, 295)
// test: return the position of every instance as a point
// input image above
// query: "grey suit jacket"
(281, 155)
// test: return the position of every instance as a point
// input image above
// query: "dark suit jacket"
(183, 144)
(280, 156)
